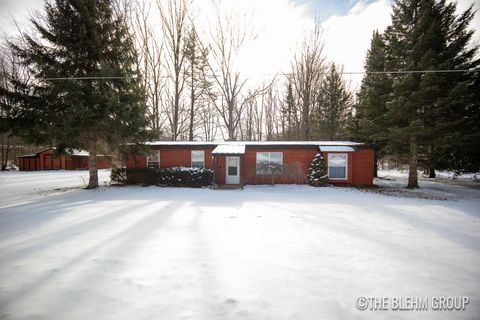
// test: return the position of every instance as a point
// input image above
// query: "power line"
(407, 71)
(276, 74)
(397, 71)
(90, 78)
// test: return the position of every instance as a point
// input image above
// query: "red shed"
(265, 162)
(47, 160)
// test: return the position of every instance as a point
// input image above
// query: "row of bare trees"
(195, 89)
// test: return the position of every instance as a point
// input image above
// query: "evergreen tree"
(318, 172)
(288, 113)
(426, 35)
(369, 120)
(86, 92)
(333, 108)
(456, 135)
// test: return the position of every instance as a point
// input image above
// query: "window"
(153, 159)
(198, 159)
(232, 166)
(337, 166)
(269, 163)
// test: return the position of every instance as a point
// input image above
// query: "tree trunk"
(92, 166)
(430, 169)
(412, 173)
(305, 119)
(192, 105)
(231, 130)
(5, 154)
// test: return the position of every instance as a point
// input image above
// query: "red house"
(279, 162)
(47, 160)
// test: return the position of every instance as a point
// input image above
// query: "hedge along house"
(270, 162)
(48, 160)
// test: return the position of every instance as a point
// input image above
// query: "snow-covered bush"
(118, 175)
(318, 172)
(175, 177)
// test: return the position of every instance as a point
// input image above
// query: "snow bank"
(283, 252)
(20, 186)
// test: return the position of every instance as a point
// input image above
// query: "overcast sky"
(280, 25)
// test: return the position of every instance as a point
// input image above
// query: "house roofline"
(259, 143)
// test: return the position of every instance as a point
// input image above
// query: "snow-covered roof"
(181, 143)
(254, 143)
(336, 148)
(72, 152)
(78, 152)
(27, 155)
(230, 148)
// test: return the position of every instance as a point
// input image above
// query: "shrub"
(175, 177)
(318, 172)
(118, 175)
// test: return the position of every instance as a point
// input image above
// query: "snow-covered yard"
(283, 252)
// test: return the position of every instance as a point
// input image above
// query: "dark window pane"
(196, 164)
(232, 171)
(153, 165)
(337, 172)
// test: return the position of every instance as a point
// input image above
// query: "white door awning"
(336, 149)
(229, 149)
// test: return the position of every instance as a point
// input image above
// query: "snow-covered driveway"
(283, 252)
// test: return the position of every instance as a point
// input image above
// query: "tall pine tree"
(369, 123)
(333, 107)
(426, 35)
(456, 135)
(290, 127)
(86, 91)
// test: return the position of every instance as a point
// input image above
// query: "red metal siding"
(296, 162)
(46, 160)
(22, 163)
(172, 157)
(182, 157)
(56, 162)
(136, 160)
(77, 162)
(363, 163)
(103, 162)
(221, 170)
(27, 163)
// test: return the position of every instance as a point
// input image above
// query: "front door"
(233, 170)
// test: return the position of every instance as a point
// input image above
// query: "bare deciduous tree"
(175, 25)
(228, 38)
(198, 77)
(307, 68)
(150, 51)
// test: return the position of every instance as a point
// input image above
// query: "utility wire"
(407, 71)
(398, 71)
(90, 78)
(286, 74)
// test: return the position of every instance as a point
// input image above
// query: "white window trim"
(158, 153)
(191, 157)
(346, 166)
(269, 153)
